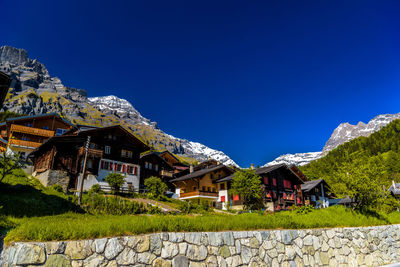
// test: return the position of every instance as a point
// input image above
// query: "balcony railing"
(31, 130)
(199, 193)
(24, 143)
(91, 152)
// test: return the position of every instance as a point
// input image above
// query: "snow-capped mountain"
(342, 134)
(295, 159)
(346, 131)
(119, 107)
(34, 91)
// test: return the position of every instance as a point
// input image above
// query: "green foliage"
(95, 189)
(155, 187)
(116, 181)
(8, 164)
(84, 226)
(58, 188)
(8, 114)
(194, 206)
(363, 167)
(247, 184)
(302, 209)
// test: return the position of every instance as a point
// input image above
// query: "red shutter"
(102, 165)
(284, 195)
(111, 166)
(135, 171)
(123, 168)
(265, 180)
(222, 198)
(236, 197)
(274, 181)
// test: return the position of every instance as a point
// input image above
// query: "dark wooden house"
(24, 134)
(281, 187)
(152, 164)
(111, 149)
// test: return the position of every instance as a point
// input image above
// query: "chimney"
(252, 166)
(191, 169)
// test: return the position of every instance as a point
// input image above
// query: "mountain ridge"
(34, 91)
(344, 133)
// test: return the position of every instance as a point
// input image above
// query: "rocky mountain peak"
(13, 55)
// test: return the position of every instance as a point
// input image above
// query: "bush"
(57, 187)
(155, 187)
(302, 209)
(116, 181)
(95, 189)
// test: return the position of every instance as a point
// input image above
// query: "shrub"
(95, 189)
(155, 187)
(115, 180)
(57, 187)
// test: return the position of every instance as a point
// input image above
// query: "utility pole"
(84, 169)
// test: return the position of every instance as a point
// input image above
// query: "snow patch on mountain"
(299, 159)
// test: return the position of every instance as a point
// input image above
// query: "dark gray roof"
(395, 190)
(346, 200)
(310, 185)
(201, 172)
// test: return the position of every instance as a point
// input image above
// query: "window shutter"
(135, 171)
(236, 197)
(123, 168)
(274, 181)
(222, 198)
(265, 180)
(111, 166)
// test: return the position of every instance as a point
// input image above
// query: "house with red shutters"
(281, 188)
(111, 149)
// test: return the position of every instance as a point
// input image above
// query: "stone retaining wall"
(362, 246)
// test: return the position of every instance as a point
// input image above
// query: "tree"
(8, 163)
(115, 180)
(247, 184)
(155, 187)
(362, 181)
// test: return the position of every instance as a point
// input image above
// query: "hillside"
(380, 150)
(34, 91)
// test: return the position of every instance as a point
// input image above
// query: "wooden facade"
(317, 193)
(24, 134)
(152, 164)
(201, 184)
(111, 149)
(281, 188)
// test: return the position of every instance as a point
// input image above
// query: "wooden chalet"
(24, 134)
(111, 149)
(180, 168)
(152, 164)
(281, 187)
(201, 184)
(317, 193)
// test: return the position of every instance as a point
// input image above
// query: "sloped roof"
(201, 172)
(39, 116)
(310, 185)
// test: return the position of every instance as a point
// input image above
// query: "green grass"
(81, 226)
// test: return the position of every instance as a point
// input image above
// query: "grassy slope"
(81, 226)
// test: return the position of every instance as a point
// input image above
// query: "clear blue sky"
(255, 79)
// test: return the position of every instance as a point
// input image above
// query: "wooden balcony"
(16, 142)
(199, 194)
(98, 153)
(31, 130)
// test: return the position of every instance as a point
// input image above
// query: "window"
(156, 168)
(60, 131)
(28, 124)
(222, 198)
(46, 127)
(126, 153)
(222, 186)
(204, 188)
(146, 165)
(213, 189)
(105, 165)
(194, 188)
(150, 166)
(265, 180)
(107, 150)
(274, 181)
(208, 189)
(90, 163)
(119, 168)
(287, 184)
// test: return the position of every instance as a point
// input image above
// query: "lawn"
(32, 212)
(82, 226)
